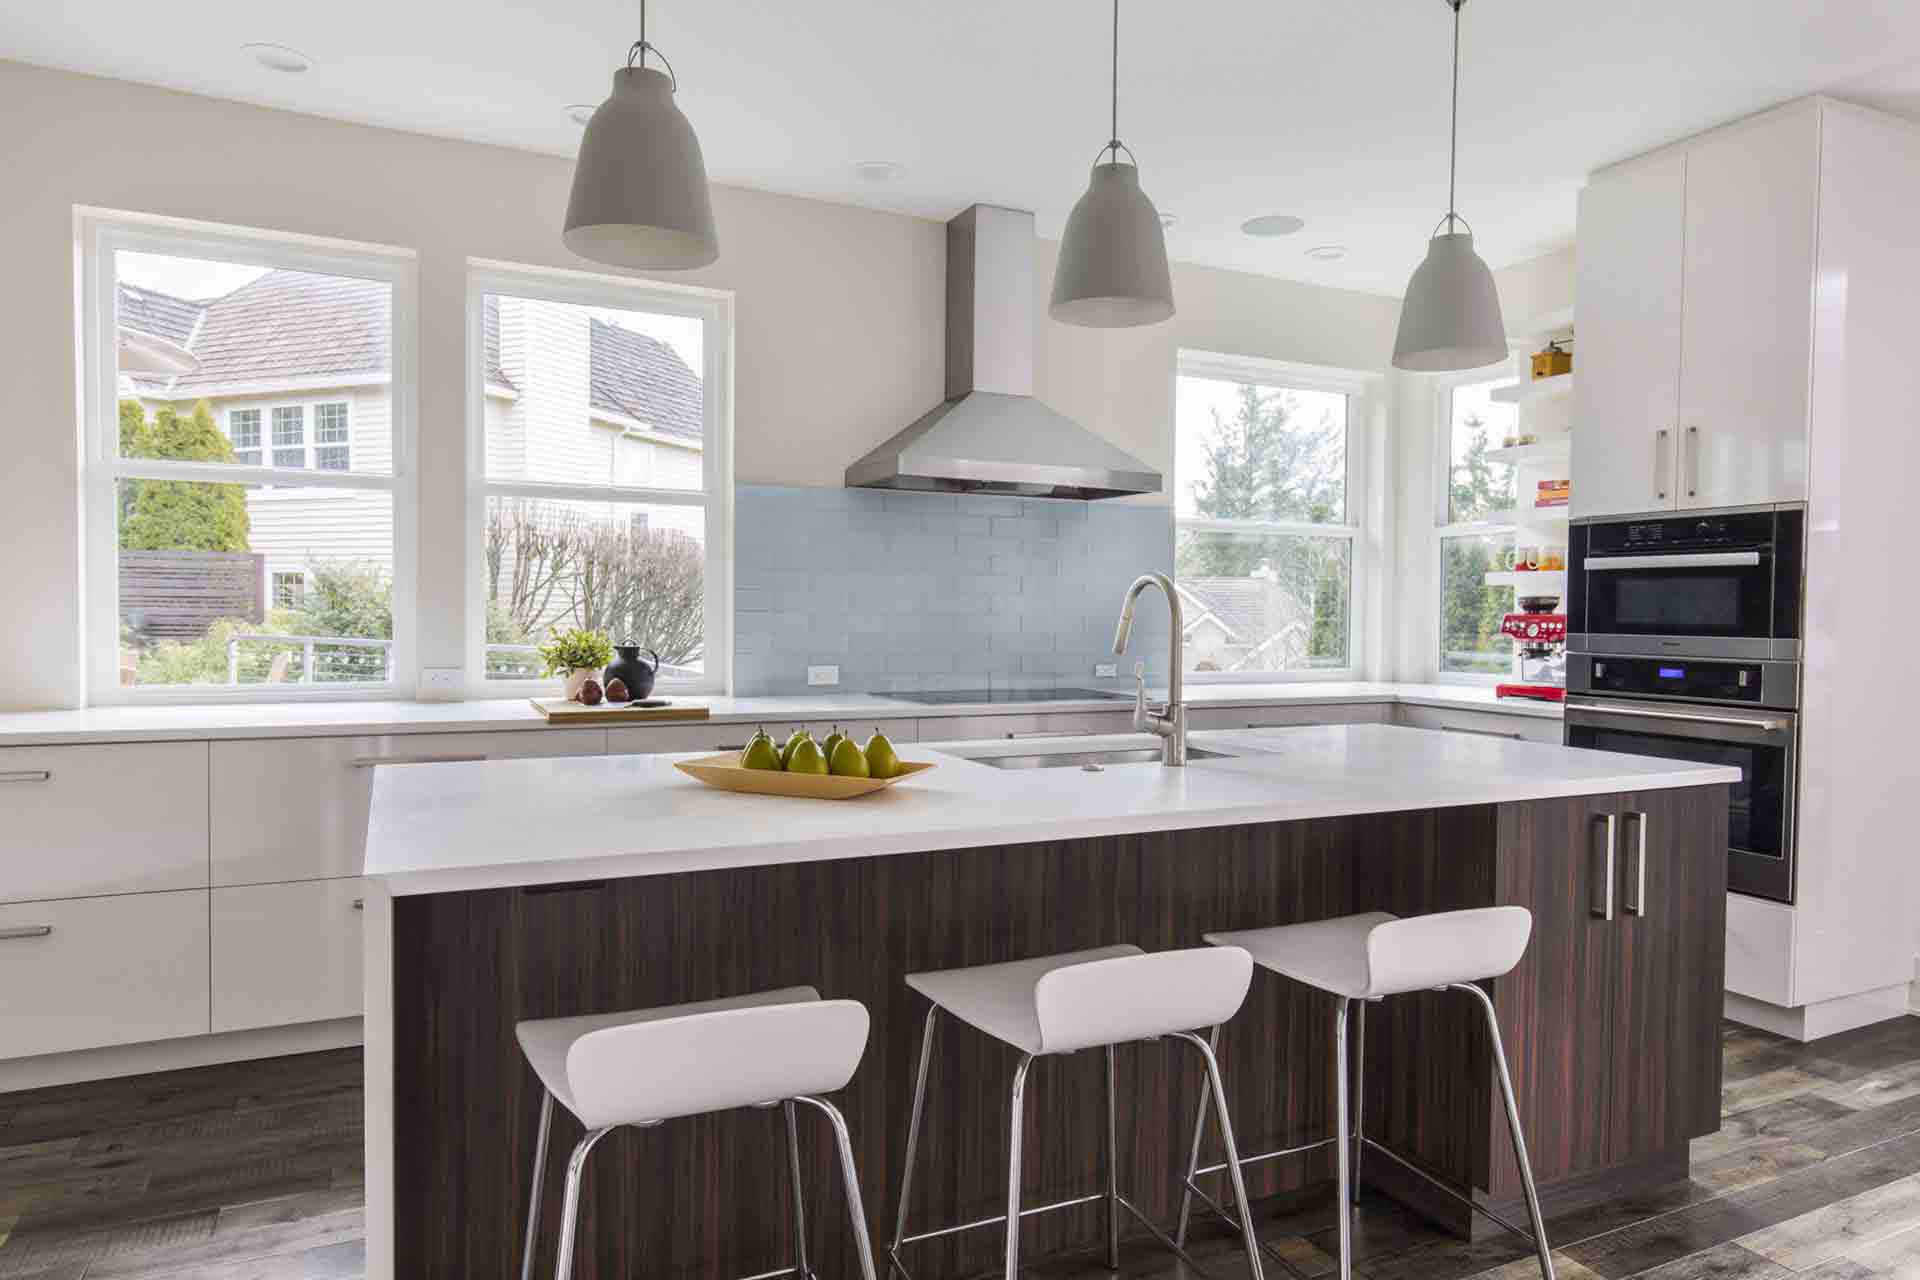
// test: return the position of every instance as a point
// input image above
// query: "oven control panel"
(1760, 684)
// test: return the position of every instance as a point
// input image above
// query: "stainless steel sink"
(1090, 759)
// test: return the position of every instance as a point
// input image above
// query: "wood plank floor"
(252, 1172)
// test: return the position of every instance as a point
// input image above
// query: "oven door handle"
(1732, 722)
(1676, 560)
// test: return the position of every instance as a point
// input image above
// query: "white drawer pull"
(25, 931)
(369, 762)
(26, 775)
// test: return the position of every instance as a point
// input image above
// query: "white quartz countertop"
(490, 824)
(304, 718)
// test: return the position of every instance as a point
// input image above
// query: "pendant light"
(1450, 318)
(640, 196)
(1112, 271)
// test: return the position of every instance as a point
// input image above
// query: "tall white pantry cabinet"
(1747, 304)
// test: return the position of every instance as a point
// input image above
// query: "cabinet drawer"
(637, 740)
(106, 971)
(1266, 717)
(296, 808)
(1486, 723)
(94, 820)
(1060, 723)
(286, 953)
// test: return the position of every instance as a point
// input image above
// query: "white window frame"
(259, 445)
(273, 585)
(1364, 445)
(1444, 528)
(713, 308)
(100, 233)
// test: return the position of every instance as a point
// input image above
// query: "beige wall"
(838, 317)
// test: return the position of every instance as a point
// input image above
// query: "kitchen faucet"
(1171, 726)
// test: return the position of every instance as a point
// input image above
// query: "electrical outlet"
(823, 675)
(1106, 670)
(441, 684)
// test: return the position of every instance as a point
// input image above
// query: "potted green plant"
(576, 655)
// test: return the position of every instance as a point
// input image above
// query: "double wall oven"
(1684, 642)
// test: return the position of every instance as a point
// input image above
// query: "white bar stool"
(646, 1066)
(1369, 957)
(1082, 1000)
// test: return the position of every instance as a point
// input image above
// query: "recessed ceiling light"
(1272, 224)
(1167, 220)
(880, 170)
(277, 57)
(581, 112)
(1327, 252)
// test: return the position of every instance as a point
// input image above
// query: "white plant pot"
(577, 677)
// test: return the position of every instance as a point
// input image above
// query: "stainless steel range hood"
(991, 435)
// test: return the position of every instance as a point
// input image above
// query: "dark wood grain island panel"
(706, 1196)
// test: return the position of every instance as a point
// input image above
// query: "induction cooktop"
(949, 697)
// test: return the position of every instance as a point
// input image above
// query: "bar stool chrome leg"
(1017, 1109)
(539, 1184)
(801, 1267)
(1534, 1218)
(570, 1205)
(913, 1142)
(849, 1181)
(1343, 1153)
(1193, 1154)
(1219, 1091)
(1113, 1171)
(1359, 1091)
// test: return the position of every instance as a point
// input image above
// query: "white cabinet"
(1267, 717)
(93, 820)
(638, 740)
(1057, 724)
(91, 972)
(1694, 283)
(1489, 724)
(1627, 288)
(286, 953)
(296, 808)
(1746, 341)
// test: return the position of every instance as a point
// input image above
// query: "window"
(289, 589)
(1265, 490)
(246, 406)
(1475, 533)
(600, 452)
(243, 429)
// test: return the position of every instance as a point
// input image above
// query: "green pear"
(786, 753)
(806, 758)
(834, 739)
(881, 760)
(760, 754)
(847, 760)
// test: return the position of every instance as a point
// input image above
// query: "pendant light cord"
(1113, 131)
(637, 55)
(1453, 136)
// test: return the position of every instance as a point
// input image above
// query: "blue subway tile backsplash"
(913, 591)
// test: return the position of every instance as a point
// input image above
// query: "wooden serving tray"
(563, 711)
(725, 772)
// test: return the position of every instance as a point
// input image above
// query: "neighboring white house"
(296, 369)
(1242, 624)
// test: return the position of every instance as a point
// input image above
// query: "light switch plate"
(823, 675)
(1106, 670)
(441, 684)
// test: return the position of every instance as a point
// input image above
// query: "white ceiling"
(1332, 110)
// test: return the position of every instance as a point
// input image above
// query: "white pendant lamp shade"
(1112, 272)
(1450, 318)
(640, 196)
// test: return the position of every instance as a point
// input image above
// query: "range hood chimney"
(991, 435)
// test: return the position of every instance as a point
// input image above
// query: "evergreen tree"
(179, 515)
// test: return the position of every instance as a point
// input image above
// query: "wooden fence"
(177, 595)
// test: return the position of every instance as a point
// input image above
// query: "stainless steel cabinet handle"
(1683, 560)
(1481, 733)
(26, 775)
(25, 931)
(1636, 903)
(368, 762)
(359, 904)
(1604, 906)
(1659, 463)
(1690, 461)
(1051, 733)
(731, 746)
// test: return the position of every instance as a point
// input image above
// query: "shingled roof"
(289, 325)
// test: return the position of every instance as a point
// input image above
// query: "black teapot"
(629, 669)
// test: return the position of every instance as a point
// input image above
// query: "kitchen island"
(503, 890)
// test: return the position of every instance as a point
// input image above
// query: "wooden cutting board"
(561, 711)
